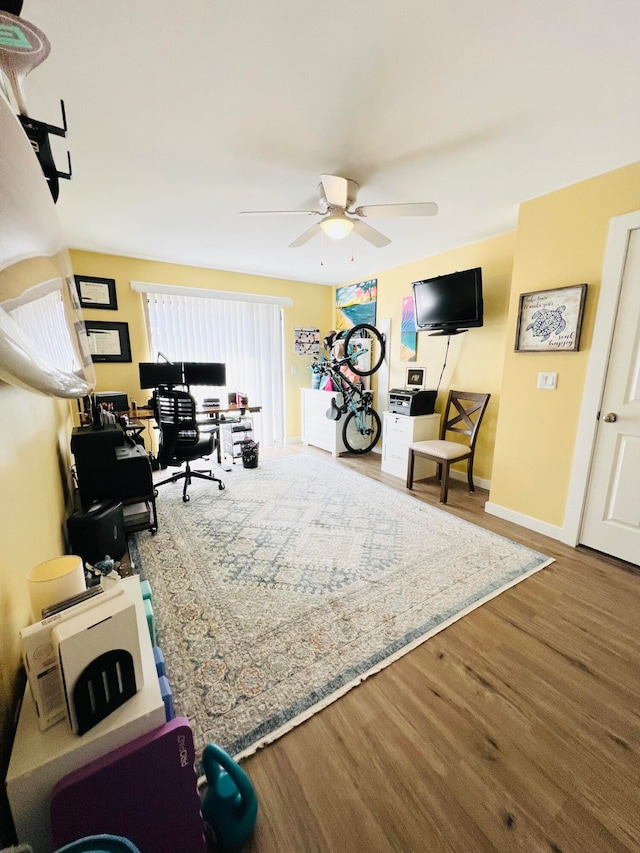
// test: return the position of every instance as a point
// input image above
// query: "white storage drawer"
(394, 459)
(317, 428)
(398, 432)
(399, 428)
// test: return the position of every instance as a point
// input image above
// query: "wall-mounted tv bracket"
(38, 133)
(22, 48)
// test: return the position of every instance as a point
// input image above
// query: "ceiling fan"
(340, 215)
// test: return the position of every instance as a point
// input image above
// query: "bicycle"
(362, 427)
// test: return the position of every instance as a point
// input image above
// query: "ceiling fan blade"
(282, 212)
(425, 208)
(335, 190)
(305, 236)
(369, 234)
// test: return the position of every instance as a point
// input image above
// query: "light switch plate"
(547, 381)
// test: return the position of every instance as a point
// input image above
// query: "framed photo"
(551, 320)
(415, 377)
(97, 292)
(108, 341)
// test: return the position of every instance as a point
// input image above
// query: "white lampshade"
(336, 226)
(53, 581)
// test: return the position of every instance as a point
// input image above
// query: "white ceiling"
(183, 114)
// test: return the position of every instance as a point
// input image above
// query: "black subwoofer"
(98, 531)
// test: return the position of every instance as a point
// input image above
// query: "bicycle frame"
(355, 399)
(361, 427)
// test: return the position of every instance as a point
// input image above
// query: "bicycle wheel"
(361, 431)
(376, 358)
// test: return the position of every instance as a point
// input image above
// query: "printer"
(412, 401)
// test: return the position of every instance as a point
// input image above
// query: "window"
(245, 335)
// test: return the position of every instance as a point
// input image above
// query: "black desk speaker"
(98, 531)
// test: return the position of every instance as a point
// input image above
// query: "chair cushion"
(202, 447)
(441, 449)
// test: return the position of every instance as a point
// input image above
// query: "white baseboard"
(477, 481)
(296, 439)
(527, 521)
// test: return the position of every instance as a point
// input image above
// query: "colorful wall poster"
(408, 335)
(356, 303)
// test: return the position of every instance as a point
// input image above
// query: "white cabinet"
(398, 432)
(317, 428)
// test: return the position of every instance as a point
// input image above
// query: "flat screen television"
(449, 304)
(156, 373)
(205, 373)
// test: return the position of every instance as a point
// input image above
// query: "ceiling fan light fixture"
(337, 226)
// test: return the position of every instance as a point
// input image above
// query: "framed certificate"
(108, 341)
(97, 292)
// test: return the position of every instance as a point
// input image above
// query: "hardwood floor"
(515, 729)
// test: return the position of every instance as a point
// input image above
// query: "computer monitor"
(205, 373)
(156, 373)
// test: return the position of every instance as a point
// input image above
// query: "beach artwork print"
(408, 335)
(356, 303)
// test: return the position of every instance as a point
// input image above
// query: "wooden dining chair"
(463, 415)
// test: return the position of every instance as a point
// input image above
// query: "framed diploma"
(97, 292)
(108, 341)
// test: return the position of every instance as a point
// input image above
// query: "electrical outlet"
(294, 369)
(547, 381)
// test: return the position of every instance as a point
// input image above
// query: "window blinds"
(245, 335)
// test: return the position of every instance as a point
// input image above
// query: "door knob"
(610, 418)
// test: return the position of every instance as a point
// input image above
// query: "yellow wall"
(312, 306)
(561, 241)
(34, 503)
(474, 362)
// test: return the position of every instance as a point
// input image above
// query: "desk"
(216, 417)
(146, 414)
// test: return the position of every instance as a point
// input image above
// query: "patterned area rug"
(279, 594)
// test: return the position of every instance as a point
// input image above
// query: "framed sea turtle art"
(551, 320)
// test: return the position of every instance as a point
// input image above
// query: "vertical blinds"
(246, 336)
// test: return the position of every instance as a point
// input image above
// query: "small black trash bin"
(250, 451)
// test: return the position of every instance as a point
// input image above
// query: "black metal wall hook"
(38, 133)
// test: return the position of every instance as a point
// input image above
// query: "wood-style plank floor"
(515, 729)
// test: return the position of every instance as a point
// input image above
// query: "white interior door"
(611, 520)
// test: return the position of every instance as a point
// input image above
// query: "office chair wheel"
(154, 530)
(221, 486)
(155, 493)
(186, 498)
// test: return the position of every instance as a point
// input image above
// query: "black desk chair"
(180, 438)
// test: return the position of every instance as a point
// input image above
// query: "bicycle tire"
(372, 333)
(353, 439)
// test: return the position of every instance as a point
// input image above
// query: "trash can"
(250, 451)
